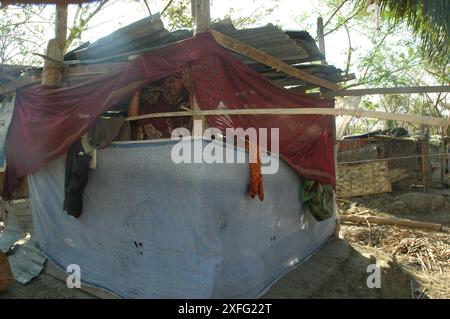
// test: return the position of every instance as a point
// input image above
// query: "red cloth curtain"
(46, 122)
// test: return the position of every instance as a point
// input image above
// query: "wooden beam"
(45, 57)
(95, 69)
(358, 219)
(393, 90)
(88, 70)
(409, 118)
(262, 57)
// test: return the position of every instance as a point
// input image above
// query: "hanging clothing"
(105, 130)
(318, 198)
(256, 186)
(77, 170)
(99, 136)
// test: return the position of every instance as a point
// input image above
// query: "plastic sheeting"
(27, 261)
(6, 112)
(151, 228)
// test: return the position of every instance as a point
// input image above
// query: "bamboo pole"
(392, 221)
(435, 121)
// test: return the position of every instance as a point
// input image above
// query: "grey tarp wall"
(153, 228)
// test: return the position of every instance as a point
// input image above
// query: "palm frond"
(429, 19)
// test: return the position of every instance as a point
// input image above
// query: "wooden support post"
(321, 39)
(425, 161)
(54, 66)
(201, 13)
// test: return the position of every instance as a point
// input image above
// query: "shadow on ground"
(339, 270)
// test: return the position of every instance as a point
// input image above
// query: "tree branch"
(334, 13)
(78, 29)
(148, 8)
(343, 23)
(166, 7)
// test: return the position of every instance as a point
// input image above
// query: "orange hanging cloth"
(256, 178)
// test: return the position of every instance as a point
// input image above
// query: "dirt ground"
(423, 254)
(414, 263)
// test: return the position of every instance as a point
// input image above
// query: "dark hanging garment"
(77, 169)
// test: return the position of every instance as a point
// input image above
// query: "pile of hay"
(425, 254)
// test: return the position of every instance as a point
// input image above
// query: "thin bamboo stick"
(410, 118)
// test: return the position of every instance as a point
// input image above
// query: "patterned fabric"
(155, 100)
(148, 131)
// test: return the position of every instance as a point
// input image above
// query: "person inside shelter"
(175, 94)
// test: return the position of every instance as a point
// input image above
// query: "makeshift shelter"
(151, 227)
(410, 160)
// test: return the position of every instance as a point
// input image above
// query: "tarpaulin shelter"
(137, 227)
(48, 121)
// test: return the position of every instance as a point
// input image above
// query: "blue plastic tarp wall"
(151, 228)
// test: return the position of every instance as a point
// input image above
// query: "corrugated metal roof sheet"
(292, 47)
(149, 33)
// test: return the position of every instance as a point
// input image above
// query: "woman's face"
(173, 85)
